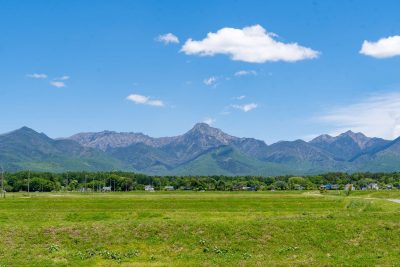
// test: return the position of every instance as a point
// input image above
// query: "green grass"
(200, 229)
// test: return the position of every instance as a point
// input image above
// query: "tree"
(73, 185)
(296, 181)
(280, 185)
(221, 185)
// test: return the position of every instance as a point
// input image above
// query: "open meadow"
(303, 228)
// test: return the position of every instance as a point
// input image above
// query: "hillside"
(203, 150)
(27, 149)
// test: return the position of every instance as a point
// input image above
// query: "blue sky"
(74, 66)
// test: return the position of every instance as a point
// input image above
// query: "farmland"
(200, 228)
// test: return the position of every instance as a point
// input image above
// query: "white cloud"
(209, 121)
(245, 72)
(383, 48)
(240, 97)
(250, 44)
(145, 100)
(37, 75)
(62, 78)
(168, 38)
(377, 115)
(245, 107)
(58, 84)
(210, 81)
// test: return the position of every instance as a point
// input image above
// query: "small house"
(169, 188)
(349, 187)
(248, 188)
(328, 187)
(106, 189)
(149, 188)
(331, 187)
(299, 187)
(373, 186)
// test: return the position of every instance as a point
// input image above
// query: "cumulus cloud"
(245, 107)
(37, 76)
(240, 97)
(168, 38)
(209, 121)
(377, 115)
(245, 72)
(383, 48)
(250, 44)
(144, 100)
(210, 81)
(58, 84)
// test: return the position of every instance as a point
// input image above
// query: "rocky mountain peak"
(205, 131)
(201, 126)
(203, 147)
(26, 132)
(323, 138)
(359, 138)
(25, 129)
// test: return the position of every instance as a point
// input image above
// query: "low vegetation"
(181, 228)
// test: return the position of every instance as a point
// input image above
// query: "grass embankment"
(189, 228)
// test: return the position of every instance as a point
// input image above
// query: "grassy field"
(200, 229)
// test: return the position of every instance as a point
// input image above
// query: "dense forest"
(128, 181)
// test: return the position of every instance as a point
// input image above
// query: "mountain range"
(203, 150)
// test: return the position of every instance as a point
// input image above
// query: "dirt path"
(370, 198)
(394, 200)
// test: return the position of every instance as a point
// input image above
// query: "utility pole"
(85, 183)
(29, 176)
(2, 182)
(93, 184)
(67, 183)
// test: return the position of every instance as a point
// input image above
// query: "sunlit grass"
(199, 228)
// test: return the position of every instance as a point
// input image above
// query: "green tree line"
(128, 181)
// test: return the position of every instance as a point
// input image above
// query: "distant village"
(128, 181)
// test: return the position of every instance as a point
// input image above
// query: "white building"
(373, 186)
(349, 187)
(106, 189)
(149, 188)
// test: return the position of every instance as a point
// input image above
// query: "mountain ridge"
(201, 150)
